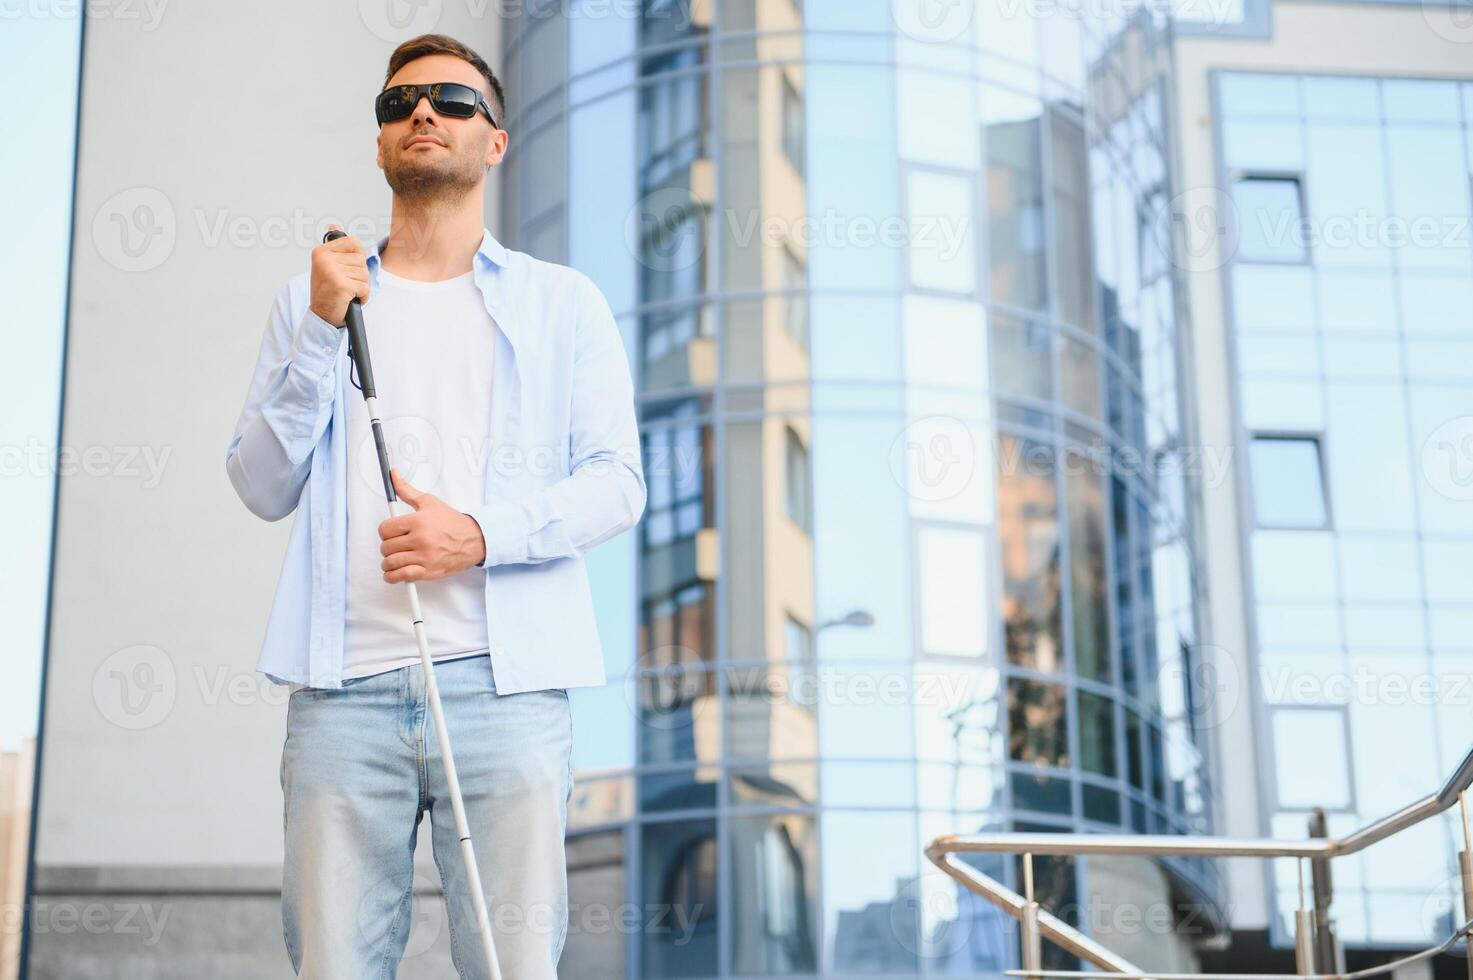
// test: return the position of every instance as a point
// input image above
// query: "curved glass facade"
(917, 556)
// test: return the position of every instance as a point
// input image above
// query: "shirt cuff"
(505, 531)
(317, 343)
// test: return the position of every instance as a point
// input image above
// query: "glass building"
(1348, 304)
(918, 554)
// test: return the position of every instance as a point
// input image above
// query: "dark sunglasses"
(449, 99)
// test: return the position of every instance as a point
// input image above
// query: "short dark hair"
(427, 44)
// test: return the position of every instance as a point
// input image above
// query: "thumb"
(405, 491)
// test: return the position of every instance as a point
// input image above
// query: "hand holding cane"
(358, 352)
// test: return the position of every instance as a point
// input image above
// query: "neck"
(436, 239)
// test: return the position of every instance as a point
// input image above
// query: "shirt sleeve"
(287, 409)
(604, 492)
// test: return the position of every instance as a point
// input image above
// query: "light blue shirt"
(563, 474)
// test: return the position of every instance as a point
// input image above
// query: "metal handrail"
(1038, 923)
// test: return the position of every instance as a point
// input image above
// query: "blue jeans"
(361, 766)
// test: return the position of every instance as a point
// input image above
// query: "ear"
(496, 147)
(378, 155)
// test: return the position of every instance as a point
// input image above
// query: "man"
(508, 412)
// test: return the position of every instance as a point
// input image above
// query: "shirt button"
(499, 651)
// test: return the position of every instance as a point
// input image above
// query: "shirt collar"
(490, 251)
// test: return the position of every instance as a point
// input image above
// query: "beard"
(421, 181)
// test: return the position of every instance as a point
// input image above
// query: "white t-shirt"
(431, 346)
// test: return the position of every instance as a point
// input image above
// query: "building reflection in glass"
(905, 347)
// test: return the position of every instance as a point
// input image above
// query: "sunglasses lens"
(454, 100)
(395, 103)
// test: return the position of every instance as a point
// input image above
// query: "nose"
(423, 112)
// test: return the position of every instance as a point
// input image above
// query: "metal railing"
(1317, 949)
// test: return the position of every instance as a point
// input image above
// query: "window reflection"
(1085, 499)
(1028, 533)
(679, 883)
(1038, 732)
(774, 875)
(1015, 222)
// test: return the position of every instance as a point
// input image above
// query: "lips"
(423, 139)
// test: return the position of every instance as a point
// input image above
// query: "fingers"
(405, 562)
(409, 573)
(346, 245)
(406, 491)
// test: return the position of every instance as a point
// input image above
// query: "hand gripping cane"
(358, 351)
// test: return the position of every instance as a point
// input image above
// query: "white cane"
(358, 351)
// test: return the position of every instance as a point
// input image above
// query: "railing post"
(1303, 929)
(1030, 940)
(1329, 954)
(1465, 874)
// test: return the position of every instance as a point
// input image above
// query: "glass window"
(1028, 532)
(871, 908)
(596, 863)
(771, 711)
(1073, 256)
(1038, 730)
(799, 641)
(796, 496)
(678, 877)
(939, 233)
(1015, 208)
(793, 130)
(1270, 218)
(1287, 486)
(794, 283)
(678, 717)
(1089, 600)
(1020, 358)
(774, 888)
(1097, 734)
(1310, 768)
(953, 596)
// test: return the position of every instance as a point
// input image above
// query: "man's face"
(428, 157)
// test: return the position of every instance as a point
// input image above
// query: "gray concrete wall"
(215, 140)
